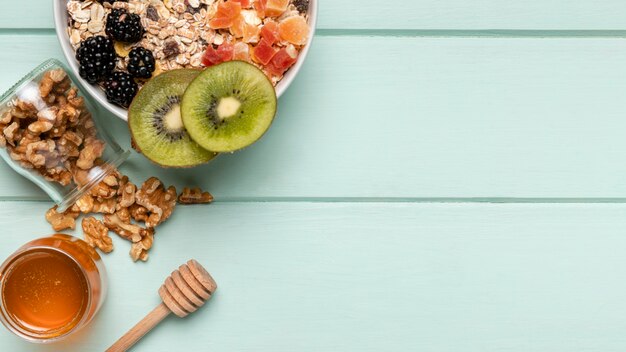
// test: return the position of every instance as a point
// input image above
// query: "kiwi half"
(155, 122)
(229, 106)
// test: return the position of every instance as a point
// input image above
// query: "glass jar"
(50, 135)
(51, 288)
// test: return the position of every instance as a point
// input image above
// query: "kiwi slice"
(229, 106)
(156, 125)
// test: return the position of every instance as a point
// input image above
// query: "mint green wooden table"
(442, 176)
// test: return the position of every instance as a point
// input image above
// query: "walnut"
(56, 75)
(139, 250)
(194, 196)
(60, 88)
(42, 153)
(74, 100)
(89, 154)
(126, 193)
(110, 180)
(68, 144)
(124, 215)
(138, 212)
(24, 141)
(105, 206)
(86, 126)
(131, 232)
(61, 221)
(96, 234)
(159, 201)
(27, 109)
(10, 133)
(80, 177)
(67, 113)
(57, 174)
(104, 191)
(85, 204)
(45, 86)
(40, 126)
(6, 117)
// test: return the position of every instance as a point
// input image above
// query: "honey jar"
(51, 287)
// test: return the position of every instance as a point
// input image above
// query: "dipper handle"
(141, 328)
(183, 292)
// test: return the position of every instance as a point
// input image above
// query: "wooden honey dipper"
(183, 292)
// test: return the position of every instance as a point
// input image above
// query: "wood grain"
(369, 277)
(420, 15)
(431, 118)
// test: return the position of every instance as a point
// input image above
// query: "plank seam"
(444, 200)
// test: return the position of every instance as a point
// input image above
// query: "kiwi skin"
(209, 155)
(193, 116)
(138, 150)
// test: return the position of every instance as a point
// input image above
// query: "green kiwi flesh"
(155, 122)
(229, 106)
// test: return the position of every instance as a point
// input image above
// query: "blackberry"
(124, 27)
(120, 88)
(96, 58)
(141, 63)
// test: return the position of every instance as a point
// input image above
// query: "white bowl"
(61, 20)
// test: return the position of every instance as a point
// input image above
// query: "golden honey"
(50, 288)
(45, 291)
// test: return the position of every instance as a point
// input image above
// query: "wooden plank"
(420, 15)
(369, 277)
(433, 117)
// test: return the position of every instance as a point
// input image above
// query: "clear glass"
(49, 133)
(91, 267)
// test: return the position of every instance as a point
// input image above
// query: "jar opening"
(96, 174)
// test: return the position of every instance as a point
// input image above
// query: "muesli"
(134, 40)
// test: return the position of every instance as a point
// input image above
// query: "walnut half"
(194, 196)
(139, 250)
(159, 201)
(131, 232)
(96, 234)
(61, 221)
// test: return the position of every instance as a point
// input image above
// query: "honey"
(45, 291)
(51, 287)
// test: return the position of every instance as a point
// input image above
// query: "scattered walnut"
(104, 206)
(61, 221)
(138, 212)
(159, 201)
(194, 196)
(139, 250)
(126, 193)
(124, 215)
(103, 191)
(96, 234)
(85, 204)
(131, 232)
